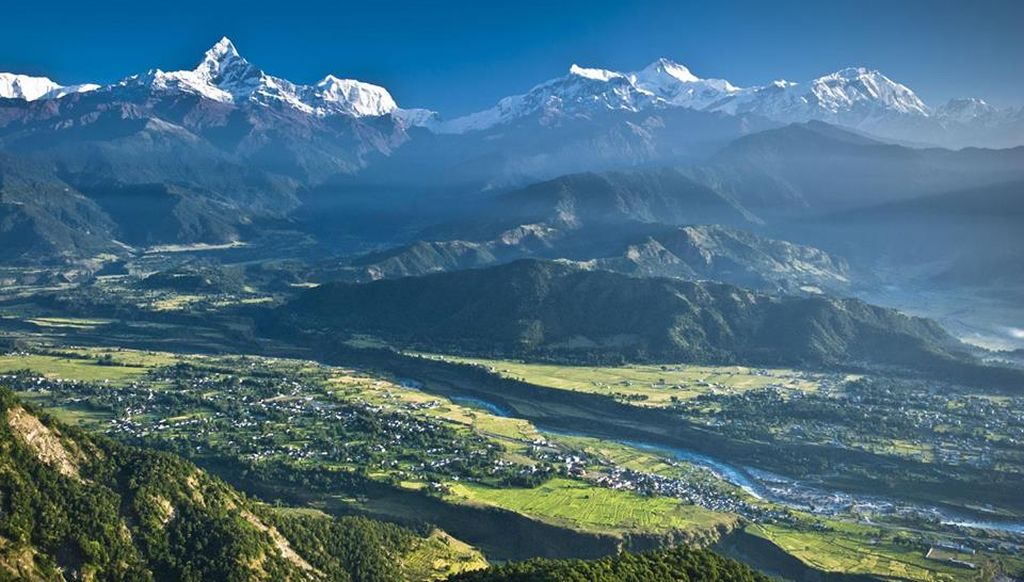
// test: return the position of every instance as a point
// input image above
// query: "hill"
(662, 195)
(74, 506)
(43, 218)
(968, 237)
(420, 258)
(730, 255)
(79, 199)
(198, 277)
(815, 168)
(696, 252)
(561, 311)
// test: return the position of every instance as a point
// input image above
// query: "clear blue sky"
(461, 56)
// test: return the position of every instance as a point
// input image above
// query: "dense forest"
(679, 564)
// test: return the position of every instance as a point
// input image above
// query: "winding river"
(772, 487)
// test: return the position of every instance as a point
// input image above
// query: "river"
(777, 488)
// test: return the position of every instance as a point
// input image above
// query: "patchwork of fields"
(569, 495)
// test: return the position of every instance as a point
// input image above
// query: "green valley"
(353, 441)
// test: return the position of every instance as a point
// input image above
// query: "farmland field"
(587, 507)
(650, 385)
(858, 550)
(85, 365)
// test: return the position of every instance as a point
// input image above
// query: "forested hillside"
(81, 507)
(678, 564)
(561, 311)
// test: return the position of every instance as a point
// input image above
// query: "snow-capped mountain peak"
(222, 75)
(593, 74)
(585, 91)
(353, 97)
(13, 86)
(859, 86)
(69, 90)
(223, 49)
(675, 84)
(855, 96)
(222, 62)
(666, 67)
(582, 91)
(225, 76)
(965, 110)
(24, 87)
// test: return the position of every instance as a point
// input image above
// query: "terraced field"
(439, 556)
(855, 549)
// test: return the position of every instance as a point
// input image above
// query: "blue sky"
(460, 56)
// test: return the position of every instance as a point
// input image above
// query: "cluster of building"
(697, 492)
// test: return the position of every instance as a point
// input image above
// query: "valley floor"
(349, 440)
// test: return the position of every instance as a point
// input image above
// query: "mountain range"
(815, 168)
(229, 111)
(855, 97)
(695, 252)
(652, 172)
(225, 76)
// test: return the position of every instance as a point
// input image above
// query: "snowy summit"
(13, 86)
(852, 96)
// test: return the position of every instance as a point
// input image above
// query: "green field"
(587, 507)
(84, 364)
(653, 385)
(81, 416)
(858, 549)
(69, 322)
